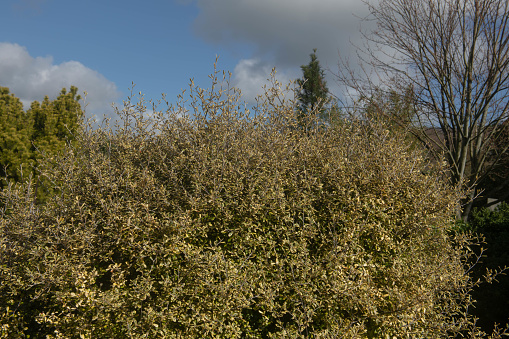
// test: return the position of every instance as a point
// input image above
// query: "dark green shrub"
(234, 224)
(486, 220)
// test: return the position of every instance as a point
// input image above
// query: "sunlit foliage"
(210, 220)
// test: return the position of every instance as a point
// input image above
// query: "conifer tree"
(314, 92)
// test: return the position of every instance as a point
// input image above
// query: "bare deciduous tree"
(455, 55)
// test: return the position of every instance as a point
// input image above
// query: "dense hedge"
(226, 223)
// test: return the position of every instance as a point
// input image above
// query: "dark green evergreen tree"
(314, 94)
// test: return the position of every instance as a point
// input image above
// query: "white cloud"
(250, 75)
(32, 78)
(282, 33)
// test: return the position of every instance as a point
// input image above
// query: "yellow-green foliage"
(219, 222)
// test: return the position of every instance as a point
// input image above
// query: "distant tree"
(14, 138)
(314, 93)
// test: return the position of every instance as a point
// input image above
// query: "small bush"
(486, 220)
(213, 221)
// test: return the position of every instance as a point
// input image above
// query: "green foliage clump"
(486, 220)
(213, 221)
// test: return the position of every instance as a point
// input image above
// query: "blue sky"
(103, 46)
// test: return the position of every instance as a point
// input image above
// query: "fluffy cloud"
(32, 78)
(282, 33)
(250, 75)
